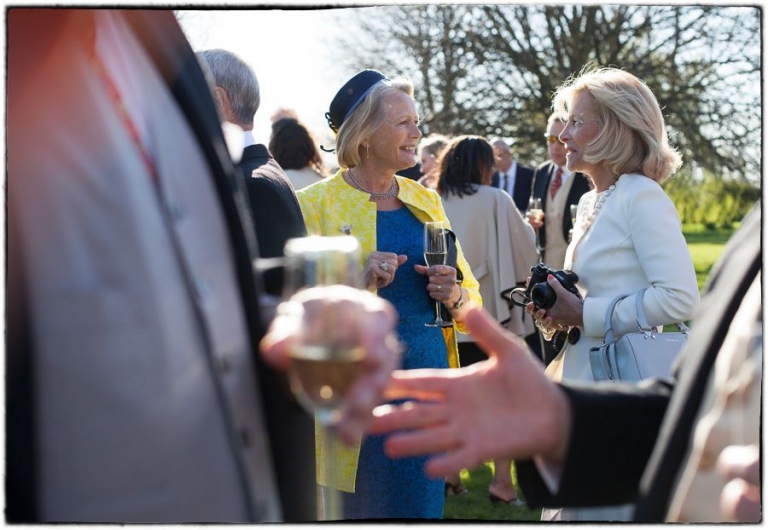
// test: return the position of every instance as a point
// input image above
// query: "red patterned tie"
(556, 182)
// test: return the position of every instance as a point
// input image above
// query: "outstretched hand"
(502, 407)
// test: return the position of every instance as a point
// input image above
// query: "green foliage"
(710, 200)
(705, 245)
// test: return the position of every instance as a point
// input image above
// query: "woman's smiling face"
(393, 145)
(582, 127)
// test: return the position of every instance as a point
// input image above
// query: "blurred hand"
(365, 319)
(740, 498)
(502, 407)
(534, 221)
(381, 268)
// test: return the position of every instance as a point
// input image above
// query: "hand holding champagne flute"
(535, 212)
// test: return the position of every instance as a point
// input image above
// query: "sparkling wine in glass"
(435, 252)
(327, 351)
(574, 210)
(535, 212)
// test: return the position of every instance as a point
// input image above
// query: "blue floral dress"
(399, 488)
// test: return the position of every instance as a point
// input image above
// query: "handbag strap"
(608, 337)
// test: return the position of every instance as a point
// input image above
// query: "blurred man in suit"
(510, 176)
(558, 189)
(274, 208)
(135, 391)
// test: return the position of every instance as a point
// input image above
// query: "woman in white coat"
(500, 247)
(627, 235)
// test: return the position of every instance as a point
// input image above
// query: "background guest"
(377, 130)
(275, 211)
(295, 149)
(628, 235)
(511, 176)
(500, 247)
(429, 154)
(558, 188)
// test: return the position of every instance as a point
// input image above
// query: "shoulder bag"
(638, 355)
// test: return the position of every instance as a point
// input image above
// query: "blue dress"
(399, 488)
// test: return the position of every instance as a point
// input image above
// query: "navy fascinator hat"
(350, 95)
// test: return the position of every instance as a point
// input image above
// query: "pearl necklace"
(588, 214)
(393, 190)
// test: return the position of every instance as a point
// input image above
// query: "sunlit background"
(288, 50)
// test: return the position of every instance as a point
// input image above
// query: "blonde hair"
(632, 136)
(369, 115)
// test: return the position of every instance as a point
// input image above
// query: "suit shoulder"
(525, 170)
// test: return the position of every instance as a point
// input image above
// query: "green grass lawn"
(705, 247)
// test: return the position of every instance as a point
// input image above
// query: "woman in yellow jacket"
(376, 123)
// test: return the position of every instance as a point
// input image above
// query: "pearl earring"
(367, 154)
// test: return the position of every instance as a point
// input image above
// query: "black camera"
(539, 292)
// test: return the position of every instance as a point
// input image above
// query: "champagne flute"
(574, 210)
(435, 252)
(327, 352)
(536, 213)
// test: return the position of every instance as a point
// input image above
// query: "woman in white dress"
(628, 234)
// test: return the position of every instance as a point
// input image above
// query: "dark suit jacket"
(291, 430)
(274, 209)
(541, 179)
(522, 191)
(623, 447)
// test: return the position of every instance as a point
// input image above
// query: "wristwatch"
(460, 301)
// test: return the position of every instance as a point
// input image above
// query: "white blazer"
(635, 241)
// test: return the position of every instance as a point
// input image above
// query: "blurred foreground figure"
(134, 388)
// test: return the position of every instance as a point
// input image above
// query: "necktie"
(556, 182)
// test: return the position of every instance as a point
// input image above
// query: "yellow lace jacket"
(333, 207)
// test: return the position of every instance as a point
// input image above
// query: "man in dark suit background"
(558, 190)
(510, 176)
(134, 389)
(274, 208)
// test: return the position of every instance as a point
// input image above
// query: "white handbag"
(638, 355)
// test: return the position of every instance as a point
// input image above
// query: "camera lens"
(543, 296)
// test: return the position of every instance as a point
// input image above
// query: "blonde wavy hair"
(632, 136)
(366, 119)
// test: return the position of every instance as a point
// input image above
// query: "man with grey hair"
(274, 208)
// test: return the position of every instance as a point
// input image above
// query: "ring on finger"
(384, 266)
(439, 287)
